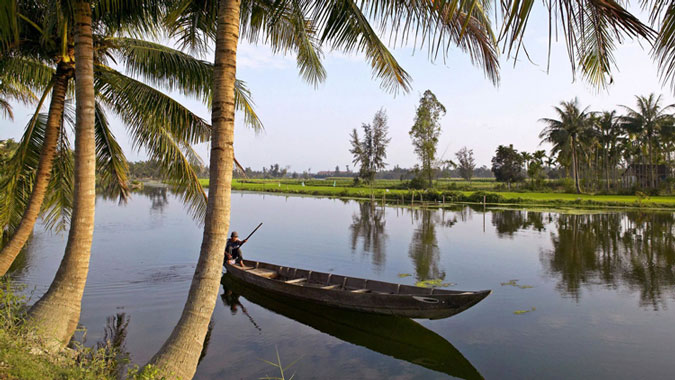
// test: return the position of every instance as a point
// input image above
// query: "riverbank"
(22, 355)
(436, 197)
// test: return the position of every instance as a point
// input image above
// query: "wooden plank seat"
(361, 291)
(334, 286)
(296, 281)
(267, 273)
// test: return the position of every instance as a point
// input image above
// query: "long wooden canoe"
(356, 293)
(398, 337)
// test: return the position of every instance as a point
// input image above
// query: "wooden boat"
(398, 337)
(356, 293)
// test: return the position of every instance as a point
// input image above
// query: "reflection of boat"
(401, 338)
(356, 293)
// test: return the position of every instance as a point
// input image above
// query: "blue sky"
(309, 128)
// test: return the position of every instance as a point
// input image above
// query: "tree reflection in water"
(423, 249)
(635, 250)
(508, 222)
(157, 195)
(369, 226)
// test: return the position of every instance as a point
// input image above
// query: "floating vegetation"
(404, 275)
(515, 283)
(519, 312)
(436, 283)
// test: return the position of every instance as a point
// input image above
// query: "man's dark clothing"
(233, 248)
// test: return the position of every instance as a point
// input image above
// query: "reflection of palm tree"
(424, 249)
(635, 250)
(207, 340)
(157, 195)
(114, 343)
(508, 222)
(369, 225)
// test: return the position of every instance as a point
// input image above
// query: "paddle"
(251, 234)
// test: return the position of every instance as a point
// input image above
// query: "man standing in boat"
(233, 249)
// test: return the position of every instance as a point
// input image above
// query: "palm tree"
(57, 313)
(565, 132)
(341, 24)
(648, 122)
(609, 131)
(156, 122)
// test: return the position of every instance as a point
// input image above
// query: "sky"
(308, 128)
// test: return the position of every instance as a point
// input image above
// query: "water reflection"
(369, 226)
(636, 250)
(508, 222)
(401, 338)
(423, 249)
(113, 344)
(157, 195)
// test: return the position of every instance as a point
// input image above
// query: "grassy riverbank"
(342, 189)
(23, 357)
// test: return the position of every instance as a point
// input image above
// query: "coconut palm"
(565, 132)
(649, 122)
(300, 27)
(156, 122)
(609, 131)
(56, 314)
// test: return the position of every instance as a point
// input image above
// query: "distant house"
(639, 174)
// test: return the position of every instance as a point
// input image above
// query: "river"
(575, 295)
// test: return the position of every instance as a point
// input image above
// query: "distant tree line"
(599, 151)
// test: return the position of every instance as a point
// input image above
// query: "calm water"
(600, 288)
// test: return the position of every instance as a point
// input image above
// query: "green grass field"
(384, 188)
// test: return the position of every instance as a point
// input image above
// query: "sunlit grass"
(393, 193)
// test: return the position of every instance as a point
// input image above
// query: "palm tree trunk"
(652, 181)
(57, 313)
(607, 170)
(44, 170)
(179, 355)
(575, 170)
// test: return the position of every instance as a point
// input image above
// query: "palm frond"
(18, 176)
(164, 67)
(192, 24)
(161, 126)
(111, 164)
(243, 101)
(141, 106)
(344, 26)
(285, 27)
(58, 203)
(607, 20)
(26, 72)
(664, 47)
(176, 160)
(9, 28)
